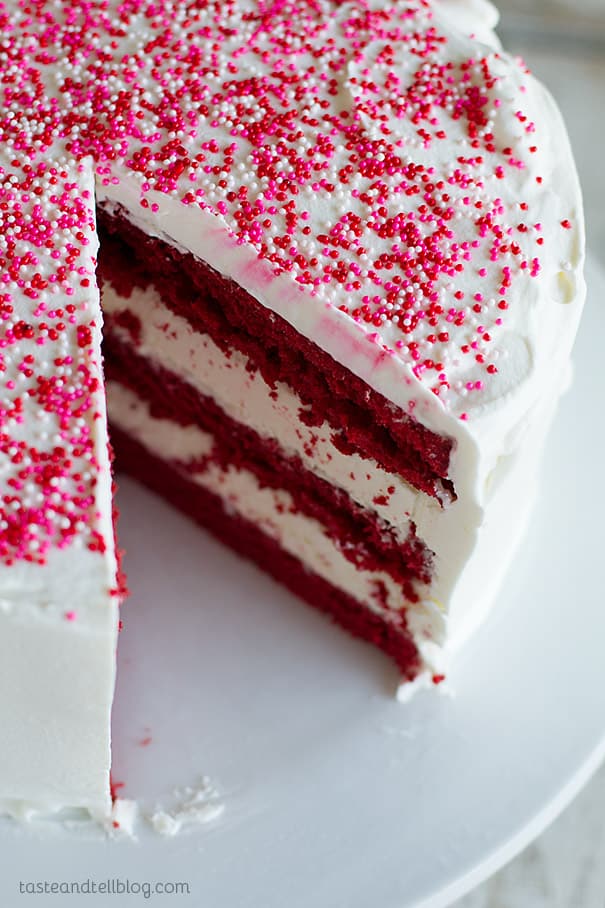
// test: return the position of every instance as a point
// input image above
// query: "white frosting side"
(57, 651)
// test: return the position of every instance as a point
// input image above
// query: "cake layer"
(361, 534)
(362, 421)
(140, 326)
(265, 524)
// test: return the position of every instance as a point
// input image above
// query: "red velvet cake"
(337, 252)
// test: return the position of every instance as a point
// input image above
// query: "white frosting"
(193, 806)
(57, 651)
(122, 820)
(477, 18)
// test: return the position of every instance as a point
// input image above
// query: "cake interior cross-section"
(333, 253)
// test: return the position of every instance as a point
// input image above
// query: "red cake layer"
(362, 536)
(247, 539)
(363, 420)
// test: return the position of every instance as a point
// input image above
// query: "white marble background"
(564, 44)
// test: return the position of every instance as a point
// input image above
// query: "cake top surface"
(397, 170)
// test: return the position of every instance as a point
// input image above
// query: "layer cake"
(339, 249)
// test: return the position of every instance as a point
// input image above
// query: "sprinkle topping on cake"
(51, 392)
(353, 145)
